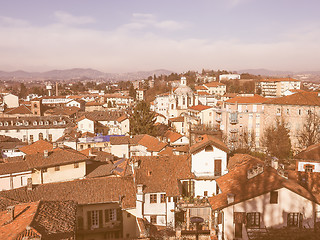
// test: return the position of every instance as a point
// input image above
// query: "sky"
(143, 35)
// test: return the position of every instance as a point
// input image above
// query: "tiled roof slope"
(101, 115)
(236, 182)
(172, 136)
(177, 119)
(83, 191)
(300, 99)
(241, 99)
(199, 107)
(312, 153)
(213, 84)
(37, 147)
(5, 202)
(56, 157)
(242, 159)
(151, 143)
(13, 167)
(53, 220)
(161, 173)
(22, 109)
(207, 140)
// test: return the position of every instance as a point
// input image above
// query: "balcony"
(218, 119)
(233, 121)
(234, 130)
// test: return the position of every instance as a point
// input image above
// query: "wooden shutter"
(220, 218)
(119, 214)
(89, 219)
(239, 217)
(217, 167)
(107, 214)
(100, 219)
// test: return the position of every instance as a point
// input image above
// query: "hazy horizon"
(129, 36)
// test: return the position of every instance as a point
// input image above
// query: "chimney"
(10, 211)
(45, 153)
(29, 184)
(230, 198)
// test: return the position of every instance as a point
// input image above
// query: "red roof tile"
(213, 84)
(37, 147)
(254, 99)
(312, 153)
(300, 99)
(199, 108)
(208, 140)
(172, 136)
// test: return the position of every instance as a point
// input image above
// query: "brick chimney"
(45, 153)
(29, 184)
(10, 211)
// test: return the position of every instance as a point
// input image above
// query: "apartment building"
(241, 115)
(294, 110)
(276, 87)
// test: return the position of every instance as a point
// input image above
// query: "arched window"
(208, 149)
(40, 136)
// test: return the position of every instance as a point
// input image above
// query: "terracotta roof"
(5, 202)
(82, 191)
(279, 80)
(236, 182)
(300, 99)
(230, 95)
(99, 169)
(93, 103)
(167, 151)
(172, 136)
(161, 173)
(254, 99)
(122, 118)
(13, 167)
(199, 108)
(22, 109)
(184, 148)
(312, 152)
(37, 147)
(101, 115)
(151, 143)
(99, 156)
(201, 87)
(177, 119)
(204, 94)
(65, 111)
(242, 159)
(56, 157)
(208, 140)
(48, 219)
(213, 84)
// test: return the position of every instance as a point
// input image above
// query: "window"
(288, 111)
(93, 219)
(253, 219)
(50, 137)
(153, 198)
(162, 198)
(57, 168)
(45, 170)
(205, 193)
(274, 197)
(24, 138)
(308, 168)
(40, 136)
(31, 138)
(110, 215)
(299, 111)
(294, 220)
(76, 165)
(153, 219)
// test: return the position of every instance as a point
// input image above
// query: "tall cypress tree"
(142, 120)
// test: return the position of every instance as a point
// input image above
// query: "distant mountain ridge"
(266, 72)
(80, 73)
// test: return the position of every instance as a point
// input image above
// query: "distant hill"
(80, 73)
(266, 72)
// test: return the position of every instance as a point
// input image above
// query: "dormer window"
(18, 123)
(41, 123)
(55, 123)
(47, 123)
(1, 124)
(26, 123)
(35, 123)
(6, 124)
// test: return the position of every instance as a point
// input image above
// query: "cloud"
(68, 19)
(12, 22)
(67, 46)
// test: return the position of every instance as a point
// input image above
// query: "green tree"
(142, 120)
(276, 140)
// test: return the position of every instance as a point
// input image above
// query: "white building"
(277, 87)
(11, 101)
(229, 77)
